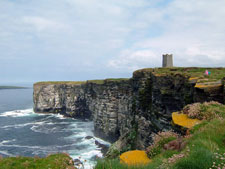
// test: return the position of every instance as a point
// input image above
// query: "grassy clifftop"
(60, 83)
(194, 73)
(191, 72)
(97, 81)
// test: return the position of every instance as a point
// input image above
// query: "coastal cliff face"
(67, 99)
(105, 102)
(109, 103)
(143, 103)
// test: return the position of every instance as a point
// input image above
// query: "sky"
(44, 40)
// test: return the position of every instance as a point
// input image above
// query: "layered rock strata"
(143, 103)
(105, 102)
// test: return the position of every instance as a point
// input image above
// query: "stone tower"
(167, 60)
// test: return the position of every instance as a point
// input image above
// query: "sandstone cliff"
(143, 103)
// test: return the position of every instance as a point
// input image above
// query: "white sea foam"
(18, 113)
(102, 141)
(89, 142)
(6, 141)
(6, 153)
(76, 135)
(91, 154)
(22, 146)
(21, 125)
(60, 116)
(86, 156)
(44, 129)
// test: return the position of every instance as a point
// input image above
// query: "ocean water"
(25, 133)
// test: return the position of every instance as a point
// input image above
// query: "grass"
(205, 142)
(115, 163)
(54, 161)
(117, 79)
(205, 147)
(108, 80)
(60, 83)
(199, 72)
(192, 72)
(97, 81)
(205, 111)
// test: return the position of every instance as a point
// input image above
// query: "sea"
(25, 133)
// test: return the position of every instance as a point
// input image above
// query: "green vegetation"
(159, 141)
(198, 72)
(12, 87)
(80, 82)
(60, 83)
(205, 111)
(54, 161)
(96, 81)
(205, 144)
(117, 79)
(115, 163)
(194, 72)
(131, 140)
(102, 81)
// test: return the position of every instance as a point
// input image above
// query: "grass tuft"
(54, 161)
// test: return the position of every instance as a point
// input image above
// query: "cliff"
(106, 102)
(142, 104)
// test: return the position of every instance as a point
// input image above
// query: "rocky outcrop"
(67, 99)
(136, 107)
(209, 91)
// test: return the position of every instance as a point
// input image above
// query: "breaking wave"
(18, 113)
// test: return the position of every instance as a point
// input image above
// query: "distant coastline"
(13, 87)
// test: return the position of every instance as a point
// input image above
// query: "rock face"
(60, 98)
(143, 104)
(106, 103)
(223, 82)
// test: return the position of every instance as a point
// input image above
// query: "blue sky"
(96, 39)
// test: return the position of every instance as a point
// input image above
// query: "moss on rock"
(183, 120)
(136, 157)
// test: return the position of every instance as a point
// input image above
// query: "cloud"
(78, 40)
(131, 60)
(193, 31)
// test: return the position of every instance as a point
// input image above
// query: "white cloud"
(193, 31)
(131, 60)
(94, 35)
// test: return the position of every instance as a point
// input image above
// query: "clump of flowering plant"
(159, 140)
(204, 111)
